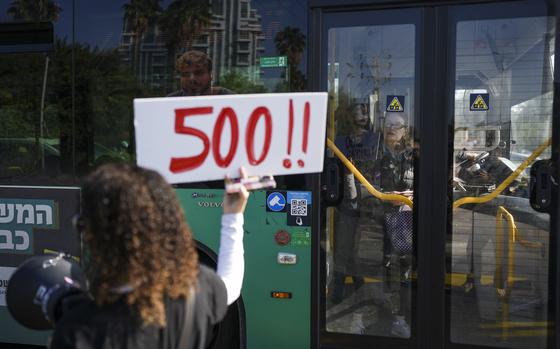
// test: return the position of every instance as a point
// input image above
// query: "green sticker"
(301, 238)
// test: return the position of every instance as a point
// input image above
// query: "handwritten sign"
(192, 139)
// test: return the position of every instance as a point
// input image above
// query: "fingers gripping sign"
(234, 202)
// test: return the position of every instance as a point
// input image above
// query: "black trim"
(554, 255)
(26, 37)
(317, 255)
(431, 200)
(21, 346)
(352, 5)
(314, 64)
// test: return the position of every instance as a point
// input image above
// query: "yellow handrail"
(501, 290)
(506, 182)
(370, 188)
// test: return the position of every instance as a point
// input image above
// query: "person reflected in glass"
(393, 173)
(195, 70)
(357, 142)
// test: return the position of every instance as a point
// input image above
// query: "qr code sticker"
(298, 207)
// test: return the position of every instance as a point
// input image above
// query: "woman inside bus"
(393, 173)
(149, 290)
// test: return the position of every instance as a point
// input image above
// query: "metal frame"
(554, 259)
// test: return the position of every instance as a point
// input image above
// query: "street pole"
(42, 113)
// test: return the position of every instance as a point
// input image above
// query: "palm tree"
(290, 42)
(140, 14)
(34, 10)
(181, 23)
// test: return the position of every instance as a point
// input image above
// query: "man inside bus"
(357, 141)
(195, 69)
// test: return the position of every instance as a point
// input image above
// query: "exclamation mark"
(287, 162)
(306, 117)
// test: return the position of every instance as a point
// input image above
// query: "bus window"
(68, 101)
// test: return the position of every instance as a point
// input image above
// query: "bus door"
(500, 237)
(455, 247)
(371, 75)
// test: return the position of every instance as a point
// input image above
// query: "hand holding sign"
(192, 139)
(250, 183)
(235, 202)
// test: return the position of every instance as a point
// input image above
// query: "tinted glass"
(503, 119)
(369, 236)
(66, 105)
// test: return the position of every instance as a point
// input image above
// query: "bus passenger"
(195, 69)
(393, 173)
(149, 289)
(358, 143)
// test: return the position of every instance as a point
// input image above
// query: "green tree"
(239, 83)
(139, 14)
(102, 116)
(34, 10)
(290, 42)
(181, 23)
(88, 123)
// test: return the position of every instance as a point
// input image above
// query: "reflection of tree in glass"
(240, 83)
(25, 110)
(34, 10)
(94, 122)
(104, 89)
(19, 86)
(140, 13)
(181, 23)
(344, 115)
(291, 42)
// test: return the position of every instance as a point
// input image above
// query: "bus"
(434, 223)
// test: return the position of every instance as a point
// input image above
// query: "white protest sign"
(192, 139)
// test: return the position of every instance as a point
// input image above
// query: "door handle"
(540, 185)
(332, 184)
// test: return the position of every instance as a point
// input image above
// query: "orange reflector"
(282, 295)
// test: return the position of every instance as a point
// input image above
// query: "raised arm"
(231, 262)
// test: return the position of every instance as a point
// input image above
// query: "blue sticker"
(276, 202)
(299, 195)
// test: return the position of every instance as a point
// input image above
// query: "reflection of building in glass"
(234, 41)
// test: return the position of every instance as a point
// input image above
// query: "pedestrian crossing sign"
(395, 103)
(479, 101)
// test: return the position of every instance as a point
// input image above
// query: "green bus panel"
(270, 322)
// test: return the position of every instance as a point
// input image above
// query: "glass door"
(368, 233)
(499, 238)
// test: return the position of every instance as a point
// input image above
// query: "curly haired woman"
(143, 270)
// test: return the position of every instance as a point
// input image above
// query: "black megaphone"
(38, 286)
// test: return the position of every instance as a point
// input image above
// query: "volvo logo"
(209, 204)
